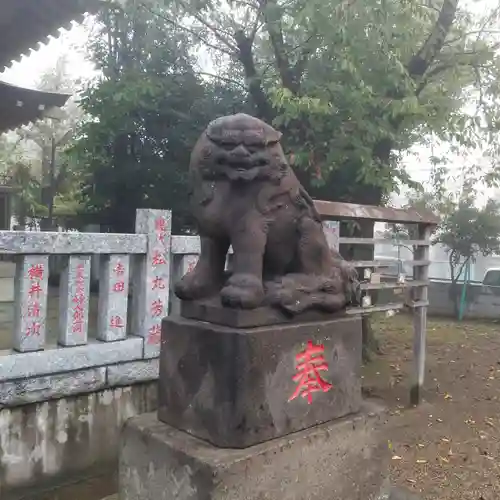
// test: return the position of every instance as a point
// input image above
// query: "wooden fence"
(124, 348)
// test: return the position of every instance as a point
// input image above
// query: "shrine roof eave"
(20, 106)
(27, 24)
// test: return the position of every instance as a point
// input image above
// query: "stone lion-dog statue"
(244, 193)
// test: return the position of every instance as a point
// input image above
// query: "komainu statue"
(244, 194)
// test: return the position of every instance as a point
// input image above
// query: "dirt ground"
(449, 447)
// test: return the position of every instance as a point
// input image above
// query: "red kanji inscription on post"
(35, 272)
(119, 286)
(35, 290)
(157, 308)
(154, 336)
(158, 258)
(34, 310)
(79, 301)
(34, 329)
(160, 228)
(119, 269)
(160, 225)
(309, 363)
(158, 283)
(116, 322)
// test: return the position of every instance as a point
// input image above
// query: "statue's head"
(239, 148)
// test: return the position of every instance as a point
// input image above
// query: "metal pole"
(52, 182)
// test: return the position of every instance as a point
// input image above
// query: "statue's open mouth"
(240, 173)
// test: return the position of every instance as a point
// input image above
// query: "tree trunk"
(454, 295)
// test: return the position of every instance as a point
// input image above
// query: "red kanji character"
(35, 290)
(154, 336)
(157, 308)
(116, 322)
(79, 299)
(34, 329)
(78, 313)
(158, 283)
(158, 258)
(309, 363)
(77, 327)
(119, 269)
(35, 272)
(160, 225)
(119, 286)
(34, 310)
(161, 228)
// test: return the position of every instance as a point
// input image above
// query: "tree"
(46, 177)
(466, 229)
(145, 111)
(354, 82)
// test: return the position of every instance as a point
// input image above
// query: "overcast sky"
(72, 45)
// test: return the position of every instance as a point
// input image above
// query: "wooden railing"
(141, 265)
(422, 223)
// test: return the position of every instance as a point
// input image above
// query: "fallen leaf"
(489, 422)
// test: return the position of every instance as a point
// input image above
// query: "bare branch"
(191, 31)
(216, 31)
(252, 77)
(421, 61)
(275, 31)
(223, 78)
(301, 63)
(470, 33)
(494, 13)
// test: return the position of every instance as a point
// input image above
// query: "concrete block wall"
(58, 440)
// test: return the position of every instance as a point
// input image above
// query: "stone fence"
(65, 394)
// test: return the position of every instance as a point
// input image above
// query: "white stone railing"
(35, 369)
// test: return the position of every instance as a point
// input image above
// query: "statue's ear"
(273, 136)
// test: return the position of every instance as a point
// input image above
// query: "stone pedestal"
(253, 407)
(341, 460)
(236, 387)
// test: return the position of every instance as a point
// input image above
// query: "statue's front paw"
(195, 285)
(244, 291)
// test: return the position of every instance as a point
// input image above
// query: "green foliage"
(354, 83)
(351, 84)
(145, 114)
(466, 228)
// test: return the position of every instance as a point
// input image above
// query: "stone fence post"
(152, 278)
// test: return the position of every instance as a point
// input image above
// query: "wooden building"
(24, 26)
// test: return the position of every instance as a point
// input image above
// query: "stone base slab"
(236, 387)
(212, 311)
(342, 460)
